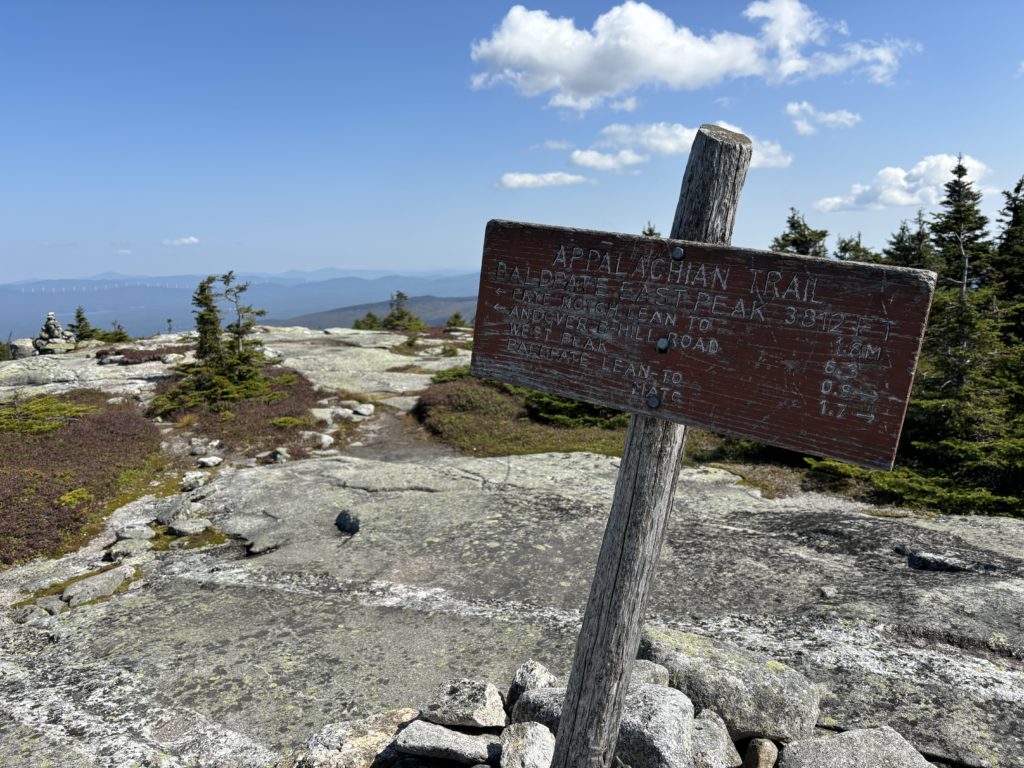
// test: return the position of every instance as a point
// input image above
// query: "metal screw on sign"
(653, 401)
(677, 254)
(663, 346)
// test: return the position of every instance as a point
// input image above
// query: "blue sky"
(195, 137)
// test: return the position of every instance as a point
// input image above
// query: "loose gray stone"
(189, 526)
(192, 480)
(527, 745)
(531, 674)
(712, 747)
(51, 604)
(26, 613)
(280, 455)
(755, 695)
(355, 743)
(100, 585)
(648, 673)
(22, 348)
(761, 753)
(209, 461)
(470, 703)
(129, 549)
(656, 729)
(136, 532)
(172, 358)
(319, 439)
(860, 748)
(431, 740)
(364, 409)
(540, 705)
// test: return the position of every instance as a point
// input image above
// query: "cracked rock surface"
(465, 567)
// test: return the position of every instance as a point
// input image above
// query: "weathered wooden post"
(810, 354)
(646, 487)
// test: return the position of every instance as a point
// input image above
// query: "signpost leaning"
(810, 354)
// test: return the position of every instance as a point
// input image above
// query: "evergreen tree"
(456, 321)
(368, 322)
(962, 245)
(800, 238)
(82, 328)
(911, 247)
(1008, 263)
(852, 249)
(400, 318)
(650, 231)
(208, 346)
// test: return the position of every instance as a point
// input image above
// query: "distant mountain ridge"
(432, 310)
(144, 304)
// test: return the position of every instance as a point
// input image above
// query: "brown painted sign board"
(809, 354)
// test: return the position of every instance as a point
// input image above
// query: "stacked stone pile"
(52, 340)
(692, 703)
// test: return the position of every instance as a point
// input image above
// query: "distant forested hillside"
(432, 310)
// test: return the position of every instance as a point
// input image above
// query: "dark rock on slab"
(754, 694)
(467, 703)
(656, 729)
(431, 740)
(712, 747)
(531, 674)
(527, 745)
(363, 743)
(863, 748)
(540, 705)
(761, 753)
(347, 522)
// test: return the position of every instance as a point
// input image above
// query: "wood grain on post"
(644, 492)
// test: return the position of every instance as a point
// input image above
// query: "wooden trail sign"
(649, 470)
(809, 354)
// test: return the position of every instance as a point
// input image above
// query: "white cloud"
(635, 45)
(894, 187)
(627, 104)
(189, 240)
(591, 158)
(806, 118)
(534, 180)
(557, 144)
(676, 139)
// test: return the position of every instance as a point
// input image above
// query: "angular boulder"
(656, 729)
(712, 747)
(756, 696)
(540, 705)
(467, 703)
(101, 585)
(356, 743)
(424, 739)
(860, 748)
(527, 745)
(530, 675)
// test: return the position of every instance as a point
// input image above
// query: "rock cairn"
(52, 340)
(692, 703)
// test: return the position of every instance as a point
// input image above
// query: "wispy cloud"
(806, 118)
(601, 161)
(557, 144)
(535, 180)
(675, 139)
(188, 240)
(634, 45)
(893, 187)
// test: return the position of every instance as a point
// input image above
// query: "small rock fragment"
(656, 729)
(364, 409)
(355, 743)
(469, 703)
(129, 549)
(137, 532)
(51, 604)
(761, 753)
(27, 613)
(209, 461)
(527, 745)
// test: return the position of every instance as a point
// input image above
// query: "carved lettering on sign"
(810, 354)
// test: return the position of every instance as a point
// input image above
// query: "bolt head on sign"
(809, 354)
